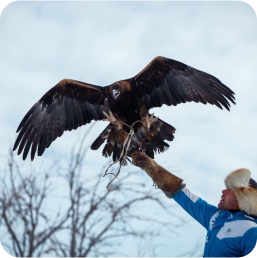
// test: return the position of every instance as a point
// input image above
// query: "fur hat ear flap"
(238, 178)
(240, 182)
(247, 200)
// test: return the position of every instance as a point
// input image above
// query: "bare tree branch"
(22, 211)
(91, 222)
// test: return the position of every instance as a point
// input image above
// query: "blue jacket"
(228, 234)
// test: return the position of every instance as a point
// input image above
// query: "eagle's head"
(116, 90)
(119, 88)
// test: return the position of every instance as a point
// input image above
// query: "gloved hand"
(165, 180)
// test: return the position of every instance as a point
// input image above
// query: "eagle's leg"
(110, 117)
(148, 120)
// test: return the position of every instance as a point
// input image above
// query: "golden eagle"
(71, 104)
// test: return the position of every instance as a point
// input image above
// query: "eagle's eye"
(115, 93)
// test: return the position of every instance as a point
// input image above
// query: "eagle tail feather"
(108, 149)
(158, 143)
(166, 131)
(149, 152)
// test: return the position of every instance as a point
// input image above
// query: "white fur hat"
(245, 189)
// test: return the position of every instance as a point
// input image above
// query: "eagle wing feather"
(66, 106)
(71, 104)
(167, 81)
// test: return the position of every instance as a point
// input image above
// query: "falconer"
(232, 226)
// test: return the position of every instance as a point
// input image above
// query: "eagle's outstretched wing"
(166, 81)
(71, 103)
(66, 106)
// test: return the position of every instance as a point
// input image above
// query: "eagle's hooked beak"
(115, 93)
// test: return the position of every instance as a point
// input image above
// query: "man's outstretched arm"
(174, 187)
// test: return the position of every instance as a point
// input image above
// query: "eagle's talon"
(110, 118)
(150, 120)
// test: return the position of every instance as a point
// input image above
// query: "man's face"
(228, 200)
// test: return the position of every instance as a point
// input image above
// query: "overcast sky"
(42, 43)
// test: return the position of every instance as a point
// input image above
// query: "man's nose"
(224, 191)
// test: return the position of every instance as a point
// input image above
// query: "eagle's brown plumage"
(71, 104)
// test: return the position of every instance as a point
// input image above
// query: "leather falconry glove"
(166, 181)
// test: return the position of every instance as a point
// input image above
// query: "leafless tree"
(26, 222)
(92, 221)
